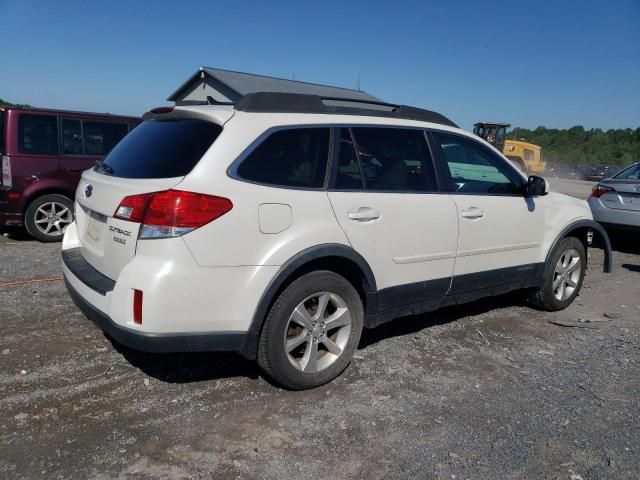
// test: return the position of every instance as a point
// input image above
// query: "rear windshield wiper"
(106, 168)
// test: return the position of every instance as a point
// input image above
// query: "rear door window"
(289, 158)
(38, 134)
(394, 159)
(161, 149)
(348, 176)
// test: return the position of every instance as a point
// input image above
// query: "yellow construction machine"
(526, 156)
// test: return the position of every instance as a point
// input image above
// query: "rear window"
(289, 158)
(630, 173)
(161, 149)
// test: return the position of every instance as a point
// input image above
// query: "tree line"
(579, 146)
(4, 103)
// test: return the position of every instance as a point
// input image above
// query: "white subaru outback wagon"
(282, 225)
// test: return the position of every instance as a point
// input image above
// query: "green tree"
(579, 146)
(4, 103)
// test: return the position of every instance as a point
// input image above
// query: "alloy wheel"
(567, 274)
(317, 332)
(52, 218)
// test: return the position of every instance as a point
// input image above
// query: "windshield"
(160, 149)
(630, 173)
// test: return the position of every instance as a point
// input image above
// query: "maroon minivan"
(43, 154)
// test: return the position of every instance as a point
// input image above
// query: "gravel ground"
(487, 390)
(575, 188)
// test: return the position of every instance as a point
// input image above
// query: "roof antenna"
(293, 76)
(358, 81)
(210, 100)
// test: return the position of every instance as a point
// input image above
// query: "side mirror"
(536, 186)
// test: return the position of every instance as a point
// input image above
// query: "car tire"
(47, 217)
(563, 276)
(311, 331)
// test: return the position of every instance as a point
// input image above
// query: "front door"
(501, 230)
(384, 195)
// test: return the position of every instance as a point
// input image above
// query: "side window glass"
(474, 169)
(100, 137)
(291, 158)
(348, 176)
(71, 137)
(394, 159)
(38, 134)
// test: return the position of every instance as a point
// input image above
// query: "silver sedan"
(615, 201)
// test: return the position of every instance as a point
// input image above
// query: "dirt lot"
(488, 390)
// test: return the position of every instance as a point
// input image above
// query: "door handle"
(75, 170)
(472, 213)
(363, 214)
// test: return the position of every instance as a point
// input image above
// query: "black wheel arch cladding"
(597, 229)
(297, 262)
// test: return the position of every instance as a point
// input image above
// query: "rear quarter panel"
(235, 239)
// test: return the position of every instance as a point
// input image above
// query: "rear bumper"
(612, 216)
(10, 210)
(243, 342)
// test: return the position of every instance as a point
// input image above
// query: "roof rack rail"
(276, 102)
(190, 103)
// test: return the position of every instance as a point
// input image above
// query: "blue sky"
(553, 63)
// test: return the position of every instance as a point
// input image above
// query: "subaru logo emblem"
(88, 190)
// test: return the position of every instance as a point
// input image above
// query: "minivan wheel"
(563, 276)
(311, 331)
(48, 216)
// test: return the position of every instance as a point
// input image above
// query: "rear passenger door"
(501, 230)
(84, 142)
(385, 196)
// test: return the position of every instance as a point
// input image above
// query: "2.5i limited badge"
(119, 231)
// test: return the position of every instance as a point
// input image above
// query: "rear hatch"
(626, 194)
(154, 157)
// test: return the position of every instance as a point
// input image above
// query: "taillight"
(600, 190)
(6, 172)
(171, 213)
(133, 208)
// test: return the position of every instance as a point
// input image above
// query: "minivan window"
(100, 137)
(38, 134)
(394, 159)
(289, 158)
(161, 149)
(71, 137)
